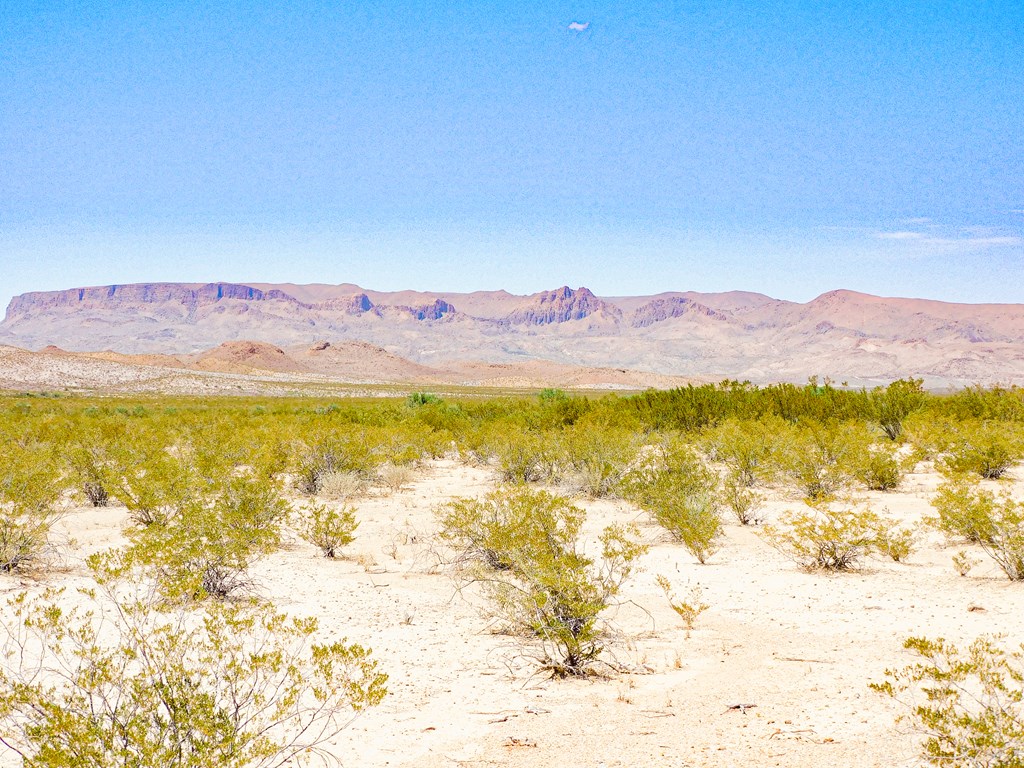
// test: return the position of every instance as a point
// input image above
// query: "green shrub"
(878, 469)
(523, 546)
(123, 684)
(747, 448)
(825, 538)
(153, 481)
(743, 501)
(491, 530)
(894, 541)
(985, 448)
(328, 529)
(821, 459)
(30, 489)
(890, 406)
(995, 523)
(524, 456)
(598, 457)
(417, 399)
(968, 704)
(207, 549)
(963, 513)
(682, 495)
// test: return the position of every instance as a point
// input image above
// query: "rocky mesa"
(849, 336)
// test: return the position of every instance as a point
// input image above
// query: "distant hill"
(849, 336)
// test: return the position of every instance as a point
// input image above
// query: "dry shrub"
(341, 486)
(394, 477)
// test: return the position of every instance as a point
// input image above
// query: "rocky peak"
(558, 306)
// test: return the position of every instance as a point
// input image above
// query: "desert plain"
(774, 673)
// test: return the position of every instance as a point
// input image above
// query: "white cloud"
(579, 26)
(916, 220)
(904, 235)
(986, 241)
(970, 239)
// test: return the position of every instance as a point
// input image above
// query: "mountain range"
(849, 336)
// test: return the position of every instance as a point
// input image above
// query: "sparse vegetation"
(205, 487)
(835, 539)
(968, 704)
(682, 495)
(328, 529)
(995, 523)
(121, 683)
(534, 570)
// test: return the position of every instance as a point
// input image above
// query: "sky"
(789, 148)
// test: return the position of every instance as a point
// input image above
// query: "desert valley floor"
(797, 649)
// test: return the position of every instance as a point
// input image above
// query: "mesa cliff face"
(843, 334)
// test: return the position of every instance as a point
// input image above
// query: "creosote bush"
(890, 406)
(682, 495)
(206, 550)
(524, 456)
(747, 448)
(328, 529)
(30, 506)
(348, 452)
(878, 469)
(963, 513)
(596, 457)
(995, 523)
(969, 704)
(742, 500)
(821, 459)
(836, 539)
(985, 448)
(523, 547)
(122, 683)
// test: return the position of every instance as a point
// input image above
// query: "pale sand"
(800, 646)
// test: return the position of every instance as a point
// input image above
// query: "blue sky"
(788, 148)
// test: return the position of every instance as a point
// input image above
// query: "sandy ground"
(799, 647)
